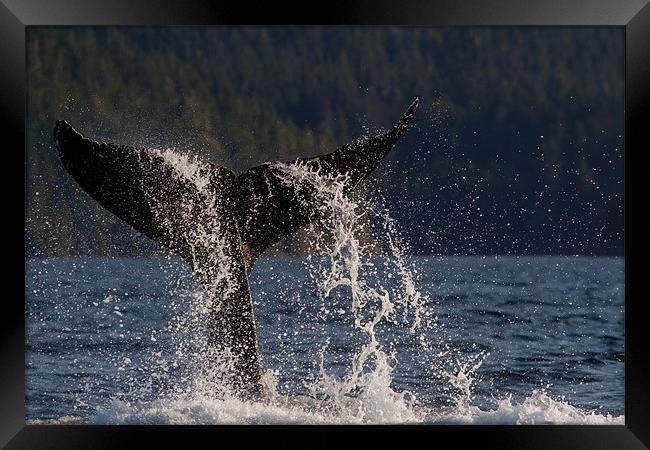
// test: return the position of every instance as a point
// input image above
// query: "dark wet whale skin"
(254, 210)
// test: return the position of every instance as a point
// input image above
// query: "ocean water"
(505, 340)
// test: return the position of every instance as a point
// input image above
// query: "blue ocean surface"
(529, 339)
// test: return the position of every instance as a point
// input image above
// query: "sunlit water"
(504, 340)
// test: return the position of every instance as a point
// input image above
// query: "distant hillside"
(518, 146)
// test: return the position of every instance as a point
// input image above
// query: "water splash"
(182, 389)
(462, 380)
(207, 371)
(206, 233)
(537, 409)
(365, 393)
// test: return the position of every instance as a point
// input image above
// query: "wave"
(538, 408)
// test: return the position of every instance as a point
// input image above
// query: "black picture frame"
(16, 15)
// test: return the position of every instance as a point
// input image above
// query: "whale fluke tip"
(63, 130)
(61, 124)
(399, 128)
(414, 105)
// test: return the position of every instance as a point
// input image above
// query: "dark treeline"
(517, 148)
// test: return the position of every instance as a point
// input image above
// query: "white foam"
(64, 420)
(374, 407)
(538, 408)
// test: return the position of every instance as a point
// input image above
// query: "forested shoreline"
(517, 148)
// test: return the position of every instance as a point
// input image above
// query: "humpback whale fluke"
(251, 212)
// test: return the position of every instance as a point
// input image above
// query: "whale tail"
(252, 211)
(125, 181)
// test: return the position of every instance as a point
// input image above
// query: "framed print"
(365, 215)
